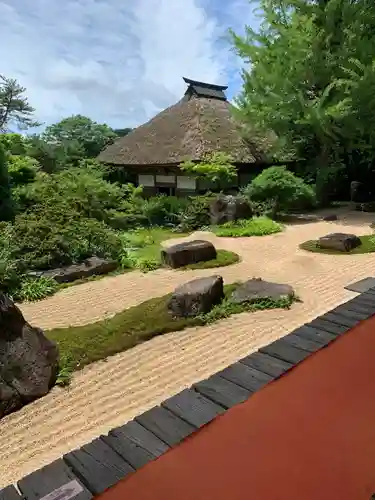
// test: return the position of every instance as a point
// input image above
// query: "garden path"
(109, 393)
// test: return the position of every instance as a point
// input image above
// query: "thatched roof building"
(200, 123)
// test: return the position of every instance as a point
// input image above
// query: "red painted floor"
(308, 436)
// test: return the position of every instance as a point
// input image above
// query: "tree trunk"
(322, 178)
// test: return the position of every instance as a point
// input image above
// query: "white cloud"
(113, 60)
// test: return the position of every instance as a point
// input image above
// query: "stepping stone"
(361, 286)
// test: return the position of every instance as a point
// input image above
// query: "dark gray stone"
(189, 252)
(28, 360)
(306, 218)
(339, 241)
(330, 218)
(226, 208)
(256, 288)
(298, 218)
(196, 297)
(89, 267)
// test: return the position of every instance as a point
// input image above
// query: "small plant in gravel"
(228, 308)
(32, 289)
(258, 226)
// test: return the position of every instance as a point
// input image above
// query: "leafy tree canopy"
(80, 130)
(214, 167)
(14, 144)
(310, 79)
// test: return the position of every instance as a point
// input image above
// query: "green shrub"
(9, 273)
(197, 213)
(162, 210)
(258, 226)
(6, 201)
(49, 239)
(146, 265)
(82, 189)
(282, 188)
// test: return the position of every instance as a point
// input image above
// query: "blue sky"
(118, 61)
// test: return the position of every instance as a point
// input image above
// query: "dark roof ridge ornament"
(202, 90)
(204, 84)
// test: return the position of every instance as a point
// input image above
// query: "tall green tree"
(54, 156)
(310, 80)
(91, 137)
(14, 106)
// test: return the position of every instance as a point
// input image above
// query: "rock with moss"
(256, 288)
(29, 362)
(341, 242)
(196, 297)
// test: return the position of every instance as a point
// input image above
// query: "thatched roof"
(200, 123)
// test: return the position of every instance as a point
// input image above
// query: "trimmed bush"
(282, 189)
(48, 239)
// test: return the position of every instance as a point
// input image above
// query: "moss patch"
(367, 246)
(82, 345)
(223, 258)
(257, 226)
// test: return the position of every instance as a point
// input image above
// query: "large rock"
(359, 192)
(339, 241)
(256, 288)
(89, 267)
(28, 360)
(226, 208)
(366, 207)
(196, 297)
(189, 252)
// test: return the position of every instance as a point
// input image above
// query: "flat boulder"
(256, 288)
(330, 218)
(189, 252)
(89, 267)
(196, 297)
(227, 208)
(341, 242)
(29, 362)
(306, 218)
